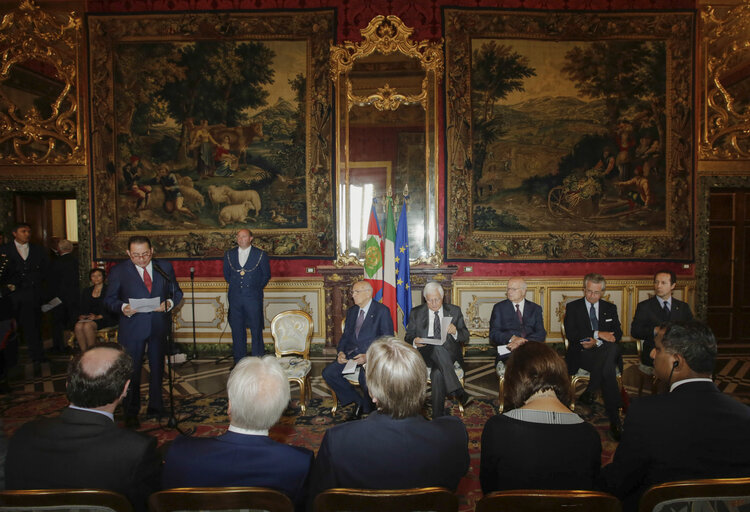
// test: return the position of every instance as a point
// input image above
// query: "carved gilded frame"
(725, 54)
(49, 42)
(387, 35)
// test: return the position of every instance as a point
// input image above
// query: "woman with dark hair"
(538, 443)
(94, 315)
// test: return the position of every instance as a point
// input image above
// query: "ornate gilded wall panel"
(40, 117)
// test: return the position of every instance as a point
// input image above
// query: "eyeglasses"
(140, 255)
(433, 301)
(358, 291)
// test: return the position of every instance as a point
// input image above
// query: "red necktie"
(147, 280)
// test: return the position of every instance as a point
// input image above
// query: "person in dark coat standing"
(63, 283)
(246, 271)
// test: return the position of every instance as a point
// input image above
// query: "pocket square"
(607, 319)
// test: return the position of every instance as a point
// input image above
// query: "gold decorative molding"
(40, 119)
(725, 52)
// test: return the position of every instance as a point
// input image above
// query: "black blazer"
(419, 325)
(83, 449)
(377, 323)
(578, 326)
(504, 323)
(648, 314)
(696, 431)
(28, 275)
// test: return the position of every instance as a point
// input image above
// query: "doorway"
(52, 216)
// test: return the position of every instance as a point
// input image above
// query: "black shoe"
(615, 429)
(465, 399)
(154, 412)
(131, 422)
(586, 398)
(357, 415)
(37, 366)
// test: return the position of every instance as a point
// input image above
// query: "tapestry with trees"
(204, 123)
(569, 135)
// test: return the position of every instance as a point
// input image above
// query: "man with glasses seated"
(366, 321)
(593, 331)
(425, 321)
(140, 277)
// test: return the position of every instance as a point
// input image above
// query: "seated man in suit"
(425, 322)
(694, 431)
(514, 321)
(83, 448)
(593, 331)
(258, 393)
(366, 321)
(662, 307)
(395, 447)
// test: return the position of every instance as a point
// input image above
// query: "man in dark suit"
(593, 331)
(27, 269)
(247, 271)
(515, 320)
(143, 332)
(258, 391)
(64, 284)
(694, 431)
(366, 321)
(395, 447)
(425, 322)
(660, 308)
(83, 448)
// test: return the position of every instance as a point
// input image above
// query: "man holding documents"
(515, 321)
(438, 331)
(143, 291)
(366, 321)
(593, 331)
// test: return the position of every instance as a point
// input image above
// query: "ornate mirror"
(386, 108)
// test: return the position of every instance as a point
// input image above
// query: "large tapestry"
(204, 123)
(569, 135)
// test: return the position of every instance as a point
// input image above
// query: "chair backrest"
(433, 499)
(292, 333)
(64, 499)
(536, 500)
(219, 498)
(678, 495)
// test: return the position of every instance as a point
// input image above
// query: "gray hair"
(396, 377)
(694, 341)
(596, 279)
(433, 286)
(258, 391)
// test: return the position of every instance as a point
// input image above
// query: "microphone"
(669, 380)
(159, 270)
(192, 273)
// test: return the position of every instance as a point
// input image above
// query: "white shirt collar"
(148, 267)
(20, 245)
(103, 413)
(366, 308)
(662, 301)
(521, 304)
(247, 431)
(685, 381)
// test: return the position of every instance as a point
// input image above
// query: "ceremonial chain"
(242, 271)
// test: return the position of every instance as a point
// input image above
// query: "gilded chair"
(103, 335)
(500, 372)
(89, 500)
(705, 494)
(537, 500)
(434, 499)
(292, 334)
(219, 498)
(646, 372)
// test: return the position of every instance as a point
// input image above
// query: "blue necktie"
(594, 320)
(436, 327)
(360, 321)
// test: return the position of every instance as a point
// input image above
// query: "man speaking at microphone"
(143, 329)
(693, 431)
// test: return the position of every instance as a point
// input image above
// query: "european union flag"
(403, 279)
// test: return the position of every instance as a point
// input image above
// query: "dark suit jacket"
(648, 314)
(504, 323)
(377, 323)
(63, 283)
(235, 459)
(419, 325)
(257, 273)
(28, 275)
(83, 449)
(125, 283)
(578, 326)
(380, 452)
(695, 431)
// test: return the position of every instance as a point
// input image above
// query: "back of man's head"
(396, 377)
(97, 377)
(258, 391)
(695, 342)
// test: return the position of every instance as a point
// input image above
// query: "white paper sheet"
(51, 304)
(351, 367)
(145, 305)
(502, 350)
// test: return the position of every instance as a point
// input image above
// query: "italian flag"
(374, 257)
(389, 264)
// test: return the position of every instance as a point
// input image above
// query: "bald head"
(97, 377)
(516, 290)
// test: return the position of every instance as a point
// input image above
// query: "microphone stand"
(192, 301)
(172, 422)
